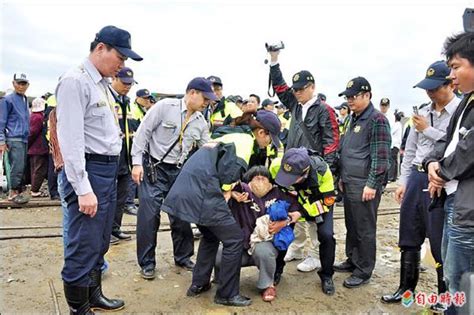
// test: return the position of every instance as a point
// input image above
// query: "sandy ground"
(29, 266)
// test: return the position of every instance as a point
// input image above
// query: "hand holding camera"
(274, 50)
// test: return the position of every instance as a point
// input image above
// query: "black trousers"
(123, 185)
(393, 171)
(416, 221)
(151, 197)
(327, 245)
(232, 240)
(361, 225)
(52, 178)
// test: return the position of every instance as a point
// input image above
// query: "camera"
(415, 110)
(274, 47)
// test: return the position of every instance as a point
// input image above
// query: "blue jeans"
(459, 255)
(458, 248)
(17, 159)
(448, 222)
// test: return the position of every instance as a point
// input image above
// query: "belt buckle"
(420, 168)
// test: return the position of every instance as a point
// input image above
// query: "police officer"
(365, 152)
(312, 179)
(200, 196)
(141, 105)
(89, 139)
(417, 221)
(156, 154)
(344, 117)
(119, 88)
(313, 126)
(224, 110)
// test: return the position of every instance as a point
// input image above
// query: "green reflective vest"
(315, 202)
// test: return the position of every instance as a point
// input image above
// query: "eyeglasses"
(353, 97)
(296, 90)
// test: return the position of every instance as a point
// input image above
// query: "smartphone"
(415, 110)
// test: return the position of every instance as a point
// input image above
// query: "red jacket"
(37, 144)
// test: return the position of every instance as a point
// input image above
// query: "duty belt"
(101, 158)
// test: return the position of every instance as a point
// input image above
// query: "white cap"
(20, 77)
(38, 105)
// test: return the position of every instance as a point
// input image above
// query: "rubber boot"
(97, 300)
(442, 288)
(78, 299)
(409, 273)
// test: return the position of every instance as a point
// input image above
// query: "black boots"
(97, 299)
(78, 300)
(409, 272)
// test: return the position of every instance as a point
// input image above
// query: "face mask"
(260, 187)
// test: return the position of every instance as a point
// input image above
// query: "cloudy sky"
(391, 43)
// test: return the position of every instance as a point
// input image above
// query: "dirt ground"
(30, 275)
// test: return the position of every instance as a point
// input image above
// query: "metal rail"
(338, 215)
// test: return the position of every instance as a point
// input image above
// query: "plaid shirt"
(380, 142)
(379, 150)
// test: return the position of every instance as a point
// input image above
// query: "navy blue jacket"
(196, 195)
(14, 118)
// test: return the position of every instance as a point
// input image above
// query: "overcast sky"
(391, 43)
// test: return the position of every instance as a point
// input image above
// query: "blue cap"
(215, 80)
(126, 75)
(294, 163)
(343, 105)
(271, 123)
(436, 75)
(143, 93)
(119, 39)
(203, 85)
(268, 101)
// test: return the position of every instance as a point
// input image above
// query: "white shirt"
(307, 105)
(452, 185)
(396, 130)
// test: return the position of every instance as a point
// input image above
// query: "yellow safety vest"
(137, 112)
(230, 109)
(128, 135)
(243, 147)
(325, 186)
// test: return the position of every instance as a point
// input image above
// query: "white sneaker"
(292, 256)
(309, 264)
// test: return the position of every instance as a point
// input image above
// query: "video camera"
(274, 47)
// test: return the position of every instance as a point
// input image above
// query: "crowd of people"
(259, 179)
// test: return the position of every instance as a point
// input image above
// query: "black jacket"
(196, 196)
(459, 165)
(320, 121)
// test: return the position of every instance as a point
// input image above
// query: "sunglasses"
(353, 97)
(296, 90)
